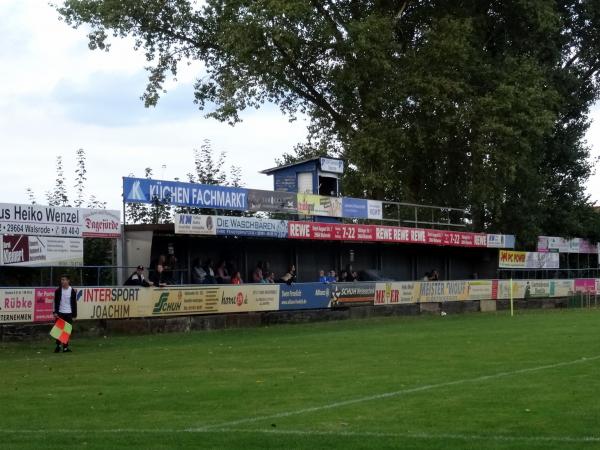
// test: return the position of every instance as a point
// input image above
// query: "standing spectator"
(158, 278)
(236, 278)
(290, 275)
(222, 275)
(65, 307)
(137, 278)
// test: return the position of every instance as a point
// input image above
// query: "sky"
(57, 96)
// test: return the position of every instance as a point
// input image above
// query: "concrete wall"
(26, 332)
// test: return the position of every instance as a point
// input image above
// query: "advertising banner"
(305, 296)
(195, 224)
(524, 289)
(496, 241)
(375, 209)
(101, 223)
(230, 226)
(16, 305)
(480, 289)
(39, 220)
(585, 285)
(112, 303)
(143, 190)
(394, 293)
(272, 201)
(44, 305)
(442, 291)
(355, 208)
(354, 232)
(528, 260)
(332, 165)
(251, 226)
(356, 292)
(562, 245)
(319, 205)
(22, 250)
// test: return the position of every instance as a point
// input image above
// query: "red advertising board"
(44, 305)
(379, 233)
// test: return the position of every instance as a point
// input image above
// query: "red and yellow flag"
(61, 331)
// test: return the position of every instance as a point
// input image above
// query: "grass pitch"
(476, 381)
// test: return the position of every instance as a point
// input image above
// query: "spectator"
(426, 277)
(210, 274)
(349, 274)
(198, 273)
(222, 275)
(236, 278)
(434, 276)
(354, 275)
(257, 275)
(322, 277)
(158, 278)
(270, 278)
(171, 270)
(290, 275)
(137, 278)
(344, 276)
(332, 277)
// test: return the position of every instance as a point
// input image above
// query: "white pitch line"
(369, 398)
(356, 434)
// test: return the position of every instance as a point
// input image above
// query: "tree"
(479, 103)
(96, 252)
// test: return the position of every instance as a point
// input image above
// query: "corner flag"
(61, 331)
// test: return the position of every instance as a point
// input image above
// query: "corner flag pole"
(512, 311)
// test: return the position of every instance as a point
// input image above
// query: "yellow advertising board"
(394, 293)
(319, 205)
(111, 302)
(209, 299)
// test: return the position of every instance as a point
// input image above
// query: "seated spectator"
(343, 276)
(434, 276)
(222, 275)
(210, 274)
(236, 278)
(270, 278)
(257, 275)
(137, 278)
(198, 273)
(158, 278)
(322, 277)
(354, 275)
(332, 277)
(426, 277)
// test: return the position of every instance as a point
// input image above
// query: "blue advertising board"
(305, 296)
(144, 190)
(355, 208)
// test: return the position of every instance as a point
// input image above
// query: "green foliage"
(476, 104)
